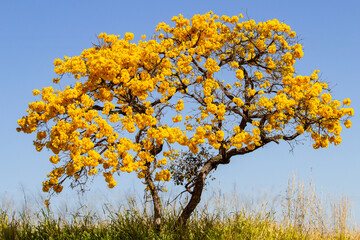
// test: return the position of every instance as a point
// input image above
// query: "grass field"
(300, 213)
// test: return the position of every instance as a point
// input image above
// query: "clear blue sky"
(34, 33)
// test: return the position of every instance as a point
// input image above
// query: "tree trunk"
(153, 191)
(156, 202)
(198, 188)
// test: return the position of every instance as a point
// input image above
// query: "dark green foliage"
(184, 168)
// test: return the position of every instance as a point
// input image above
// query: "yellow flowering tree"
(208, 82)
(108, 120)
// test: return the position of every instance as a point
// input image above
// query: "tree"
(132, 106)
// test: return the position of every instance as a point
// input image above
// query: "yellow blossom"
(129, 36)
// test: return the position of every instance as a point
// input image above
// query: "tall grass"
(300, 213)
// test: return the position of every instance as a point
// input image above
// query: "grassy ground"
(300, 214)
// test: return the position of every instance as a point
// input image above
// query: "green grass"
(300, 214)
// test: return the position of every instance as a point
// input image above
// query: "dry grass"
(300, 213)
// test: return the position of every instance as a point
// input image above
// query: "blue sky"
(34, 33)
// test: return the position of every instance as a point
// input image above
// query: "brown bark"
(199, 187)
(156, 202)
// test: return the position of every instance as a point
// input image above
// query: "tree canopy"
(209, 82)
